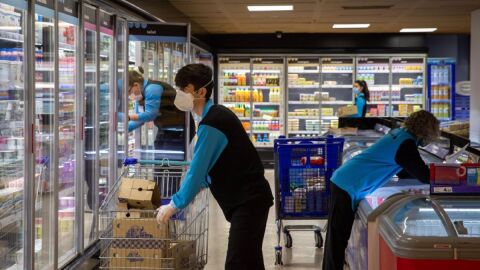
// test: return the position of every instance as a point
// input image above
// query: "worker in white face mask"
(225, 161)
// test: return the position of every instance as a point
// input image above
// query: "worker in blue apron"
(226, 161)
(397, 152)
(362, 96)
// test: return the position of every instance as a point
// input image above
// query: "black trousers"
(340, 222)
(247, 229)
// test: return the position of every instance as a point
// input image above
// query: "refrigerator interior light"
(255, 8)
(44, 23)
(10, 28)
(351, 25)
(417, 30)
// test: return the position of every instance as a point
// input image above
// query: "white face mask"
(184, 101)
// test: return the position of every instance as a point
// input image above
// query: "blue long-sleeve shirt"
(360, 102)
(152, 95)
(210, 144)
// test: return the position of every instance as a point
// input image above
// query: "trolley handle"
(163, 162)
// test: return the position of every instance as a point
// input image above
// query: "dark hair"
(365, 91)
(423, 125)
(199, 75)
(135, 76)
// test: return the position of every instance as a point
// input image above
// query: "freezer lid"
(464, 214)
(418, 228)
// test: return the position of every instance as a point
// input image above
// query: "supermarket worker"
(369, 170)
(226, 161)
(362, 95)
(157, 99)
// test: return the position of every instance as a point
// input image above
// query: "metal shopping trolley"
(303, 168)
(183, 244)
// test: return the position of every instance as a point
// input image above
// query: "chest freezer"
(422, 232)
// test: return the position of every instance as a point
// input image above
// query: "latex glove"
(165, 212)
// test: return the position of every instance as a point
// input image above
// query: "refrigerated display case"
(337, 78)
(234, 86)
(199, 55)
(408, 93)
(267, 100)
(303, 97)
(423, 232)
(12, 133)
(441, 88)
(375, 71)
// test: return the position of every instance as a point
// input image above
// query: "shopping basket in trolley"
(303, 168)
(458, 179)
(132, 239)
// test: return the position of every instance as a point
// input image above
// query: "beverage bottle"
(260, 96)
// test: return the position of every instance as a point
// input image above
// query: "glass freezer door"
(408, 76)
(303, 98)
(375, 71)
(12, 134)
(464, 213)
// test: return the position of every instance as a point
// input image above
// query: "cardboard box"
(139, 193)
(347, 111)
(132, 228)
(123, 258)
(184, 254)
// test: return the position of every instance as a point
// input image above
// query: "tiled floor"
(303, 255)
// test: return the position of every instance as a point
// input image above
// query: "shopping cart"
(303, 168)
(181, 245)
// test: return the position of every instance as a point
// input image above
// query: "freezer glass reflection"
(465, 216)
(417, 218)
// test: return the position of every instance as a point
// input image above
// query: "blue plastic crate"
(303, 168)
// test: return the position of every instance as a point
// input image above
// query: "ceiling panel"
(317, 16)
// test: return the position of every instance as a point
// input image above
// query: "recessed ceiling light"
(351, 25)
(417, 30)
(270, 8)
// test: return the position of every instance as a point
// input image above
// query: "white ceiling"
(317, 16)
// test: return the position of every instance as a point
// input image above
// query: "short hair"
(199, 75)
(423, 124)
(135, 75)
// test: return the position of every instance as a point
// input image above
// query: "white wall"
(475, 77)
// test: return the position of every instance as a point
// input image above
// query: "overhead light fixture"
(270, 8)
(351, 25)
(417, 30)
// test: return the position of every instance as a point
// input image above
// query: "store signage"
(161, 32)
(69, 7)
(46, 3)
(89, 15)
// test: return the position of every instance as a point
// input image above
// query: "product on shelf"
(274, 95)
(337, 68)
(293, 124)
(235, 79)
(304, 112)
(295, 80)
(331, 83)
(373, 68)
(241, 110)
(266, 79)
(269, 112)
(327, 112)
(266, 125)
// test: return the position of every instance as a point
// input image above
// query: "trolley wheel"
(288, 240)
(278, 257)
(318, 239)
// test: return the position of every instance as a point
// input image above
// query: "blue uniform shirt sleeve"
(210, 145)
(153, 94)
(361, 103)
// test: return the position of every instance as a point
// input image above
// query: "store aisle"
(303, 255)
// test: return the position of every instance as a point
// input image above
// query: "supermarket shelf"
(236, 86)
(266, 103)
(39, 85)
(266, 118)
(11, 62)
(304, 102)
(373, 72)
(11, 101)
(329, 117)
(236, 102)
(408, 71)
(303, 132)
(336, 86)
(337, 71)
(11, 40)
(406, 102)
(377, 102)
(304, 86)
(304, 72)
(337, 102)
(236, 71)
(66, 47)
(265, 87)
(406, 86)
(266, 131)
(244, 118)
(304, 117)
(271, 71)
(441, 100)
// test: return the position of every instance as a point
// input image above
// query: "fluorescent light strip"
(417, 30)
(270, 8)
(351, 25)
(10, 28)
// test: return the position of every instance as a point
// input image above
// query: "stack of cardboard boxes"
(138, 241)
